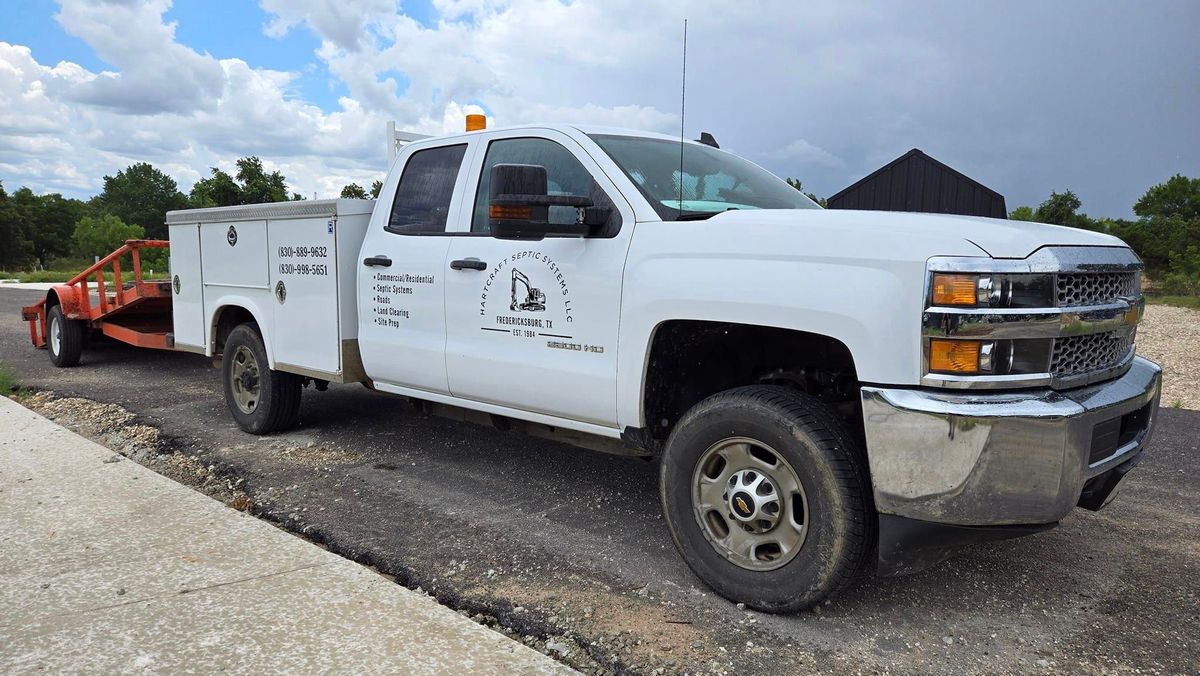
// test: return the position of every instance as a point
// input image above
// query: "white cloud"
(806, 152)
(155, 73)
(824, 90)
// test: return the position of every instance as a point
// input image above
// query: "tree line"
(49, 231)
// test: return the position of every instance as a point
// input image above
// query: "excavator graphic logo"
(532, 299)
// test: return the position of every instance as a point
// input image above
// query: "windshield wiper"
(700, 215)
(696, 215)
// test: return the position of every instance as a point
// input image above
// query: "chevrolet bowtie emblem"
(742, 504)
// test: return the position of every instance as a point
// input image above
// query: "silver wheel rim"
(750, 504)
(56, 335)
(245, 377)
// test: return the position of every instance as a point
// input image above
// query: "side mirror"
(519, 206)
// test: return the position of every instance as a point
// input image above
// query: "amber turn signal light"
(510, 212)
(955, 289)
(954, 356)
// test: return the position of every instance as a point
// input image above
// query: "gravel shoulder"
(1171, 336)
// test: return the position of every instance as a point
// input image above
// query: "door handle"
(378, 261)
(468, 264)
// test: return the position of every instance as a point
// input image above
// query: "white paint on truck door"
(187, 290)
(537, 329)
(303, 272)
(402, 270)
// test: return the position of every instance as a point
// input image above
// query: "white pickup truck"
(828, 393)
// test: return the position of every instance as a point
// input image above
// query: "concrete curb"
(106, 566)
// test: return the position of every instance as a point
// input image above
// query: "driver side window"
(564, 176)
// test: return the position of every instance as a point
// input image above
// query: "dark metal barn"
(917, 182)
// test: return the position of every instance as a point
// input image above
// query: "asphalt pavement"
(564, 549)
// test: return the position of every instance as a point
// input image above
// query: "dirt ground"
(564, 550)
(1171, 336)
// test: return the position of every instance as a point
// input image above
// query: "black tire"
(841, 524)
(66, 349)
(277, 404)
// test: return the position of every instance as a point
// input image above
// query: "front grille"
(1083, 354)
(1095, 288)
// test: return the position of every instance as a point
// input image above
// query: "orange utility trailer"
(137, 312)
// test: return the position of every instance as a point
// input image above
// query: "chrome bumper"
(1002, 458)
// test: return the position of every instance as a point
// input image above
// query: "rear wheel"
(768, 498)
(64, 338)
(261, 400)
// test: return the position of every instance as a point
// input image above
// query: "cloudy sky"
(1098, 96)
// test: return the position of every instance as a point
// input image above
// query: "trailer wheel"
(261, 400)
(64, 338)
(768, 498)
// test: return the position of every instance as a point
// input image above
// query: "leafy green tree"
(1059, 209)
(799, 185)
(46, 222)
(354, 191)
(100, 235)
(1167, 232)
(251, 185)
(15, 250)
(1183, 275)
(1022, 213)
(142, 195)
(1179, 197)
(257, 186)
(1062, 209)
(218, 190)
(376, 186)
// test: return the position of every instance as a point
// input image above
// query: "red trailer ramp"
(136, 311)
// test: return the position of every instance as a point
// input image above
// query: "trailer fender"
(68, 297)
(240, 305)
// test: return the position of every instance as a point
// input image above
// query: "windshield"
(713, 180)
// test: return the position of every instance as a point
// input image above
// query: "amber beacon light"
(476, 122)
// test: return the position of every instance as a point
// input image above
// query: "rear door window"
(422, 203)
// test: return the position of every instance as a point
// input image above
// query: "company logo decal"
(526, 296)
(231, 236)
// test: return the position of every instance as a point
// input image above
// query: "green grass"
(51, 276)
(1190, 302)
(8, 382)
(46, 276)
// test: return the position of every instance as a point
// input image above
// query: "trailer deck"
(136, 312)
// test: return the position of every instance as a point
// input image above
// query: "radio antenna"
(682, 112)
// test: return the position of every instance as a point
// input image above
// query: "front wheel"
(261, 400)
(768, 499)
(64, 338)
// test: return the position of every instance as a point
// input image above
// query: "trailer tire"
(260, 399)
(64, 338)
(768, 498)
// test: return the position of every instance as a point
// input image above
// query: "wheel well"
(227, 319)
(691, 360)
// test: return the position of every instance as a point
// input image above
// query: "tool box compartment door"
(303, 261)
(187, 288)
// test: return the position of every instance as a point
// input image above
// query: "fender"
(780, 269)
(245, 303)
